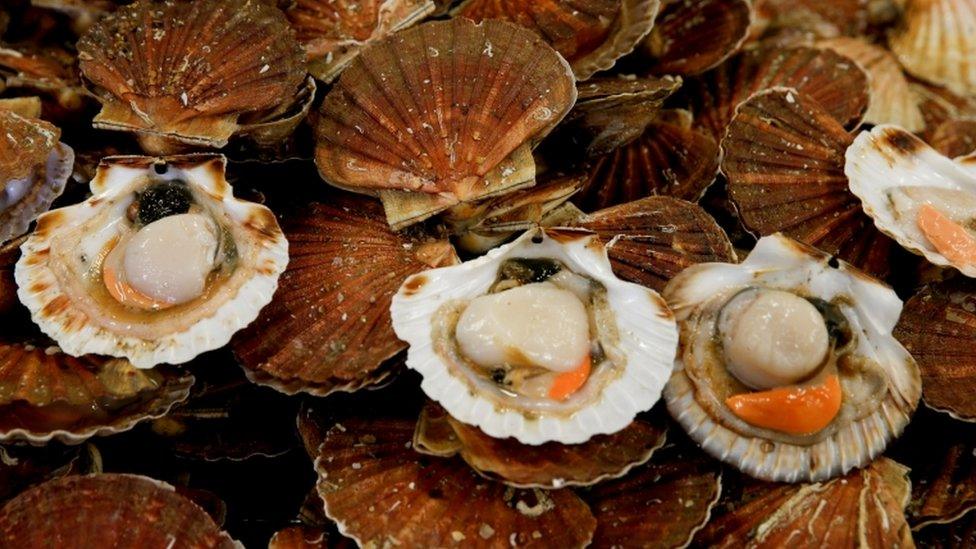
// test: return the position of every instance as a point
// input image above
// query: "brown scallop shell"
(48, 395)
(381, 492)
(301, 537)
(441, 114)
(27, 107)
(51, 71)
(784, 160)
(940, 105)
(954, 138)
(333, 33)
(865, 508)
(328, 327)
(816, 17)
(176, 73)
(551, 465)
(689, 38)
(832, 80)
(934, 41)
(892, 99)
(652, 239)
(9, 254)
(590, 34)
(109, 510)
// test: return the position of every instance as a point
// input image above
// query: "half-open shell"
(61, 272)
(689, 38)
(935, 42)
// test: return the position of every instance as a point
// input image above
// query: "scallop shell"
(375, 487)
(328, 328)
(822, 19)
(23, 466)
(300, 537)
(49, 395)
(50, 71)
(863, 509)
(888, 158)
(647, 340)
(34, 167)
(954, 138)
(590, 34)
(830, 79)
(175, 73)
(934, 41)
(9, 254)
(26, 107)
(780, 263)
(333, 33)
(939, 105)
(438, 115)
(82, 320)
(551, 465)
(892, 100)
(107, 511)
(692, 37)
(784, 160)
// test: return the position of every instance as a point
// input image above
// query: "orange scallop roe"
(951, 239)
(569, 382)
(794, 410)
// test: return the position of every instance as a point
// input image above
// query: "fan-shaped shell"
(67, 297)
(590, 34)
(784, 160)
(935, 41)
(109, 511)
(328, 328)
(34, 167)
(692, 37)
(333, 33)
(184, 72)
(442, 113)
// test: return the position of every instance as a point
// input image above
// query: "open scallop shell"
(551, 465)
(692, 37)
(333, 33)
(590, 34)
(780, 263)
(647, 341)
(935, 42)
(34, 167)
(328, 328)
(80, 315)
(887, 159)
(441, 114)
(108, 510)
(784, 160)
(176, 73)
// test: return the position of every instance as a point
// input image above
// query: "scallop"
(537, 340)
(788, 368)
(161, 264)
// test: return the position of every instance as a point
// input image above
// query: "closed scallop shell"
(333, 33)
(590, 34)
(689, 38)
(34, 167)
(176, 73)
(784, 160)
(328, 328)
(109, 510)
(441, 114)
(935, 42)
(81, 316)
(892, 99)
(821, 19)
(48, 395)
(374, 486)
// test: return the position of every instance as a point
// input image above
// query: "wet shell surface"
(935, 42)
(176, 72)
(691, 37)
(879, 384)
(333, 33)
(159, 311)
(34, 167)
(442, 113)
(636, 334)
(590, 34)
(109, 510)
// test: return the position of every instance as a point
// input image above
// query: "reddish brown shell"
(652, 239)
(943, 464)
(551, 465)
(822, 19)
(109, 511)
(328, 327)
(940, 105)
(784, 160)
(376, 487)
(689, 38)
(50, 71)
(300, 537)
(938, 326)
(590, 34)
(865, 508)
(954, 138)
(830, 79)
(176, 72)
(442, 113)
(333, 33)
(9, 254)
